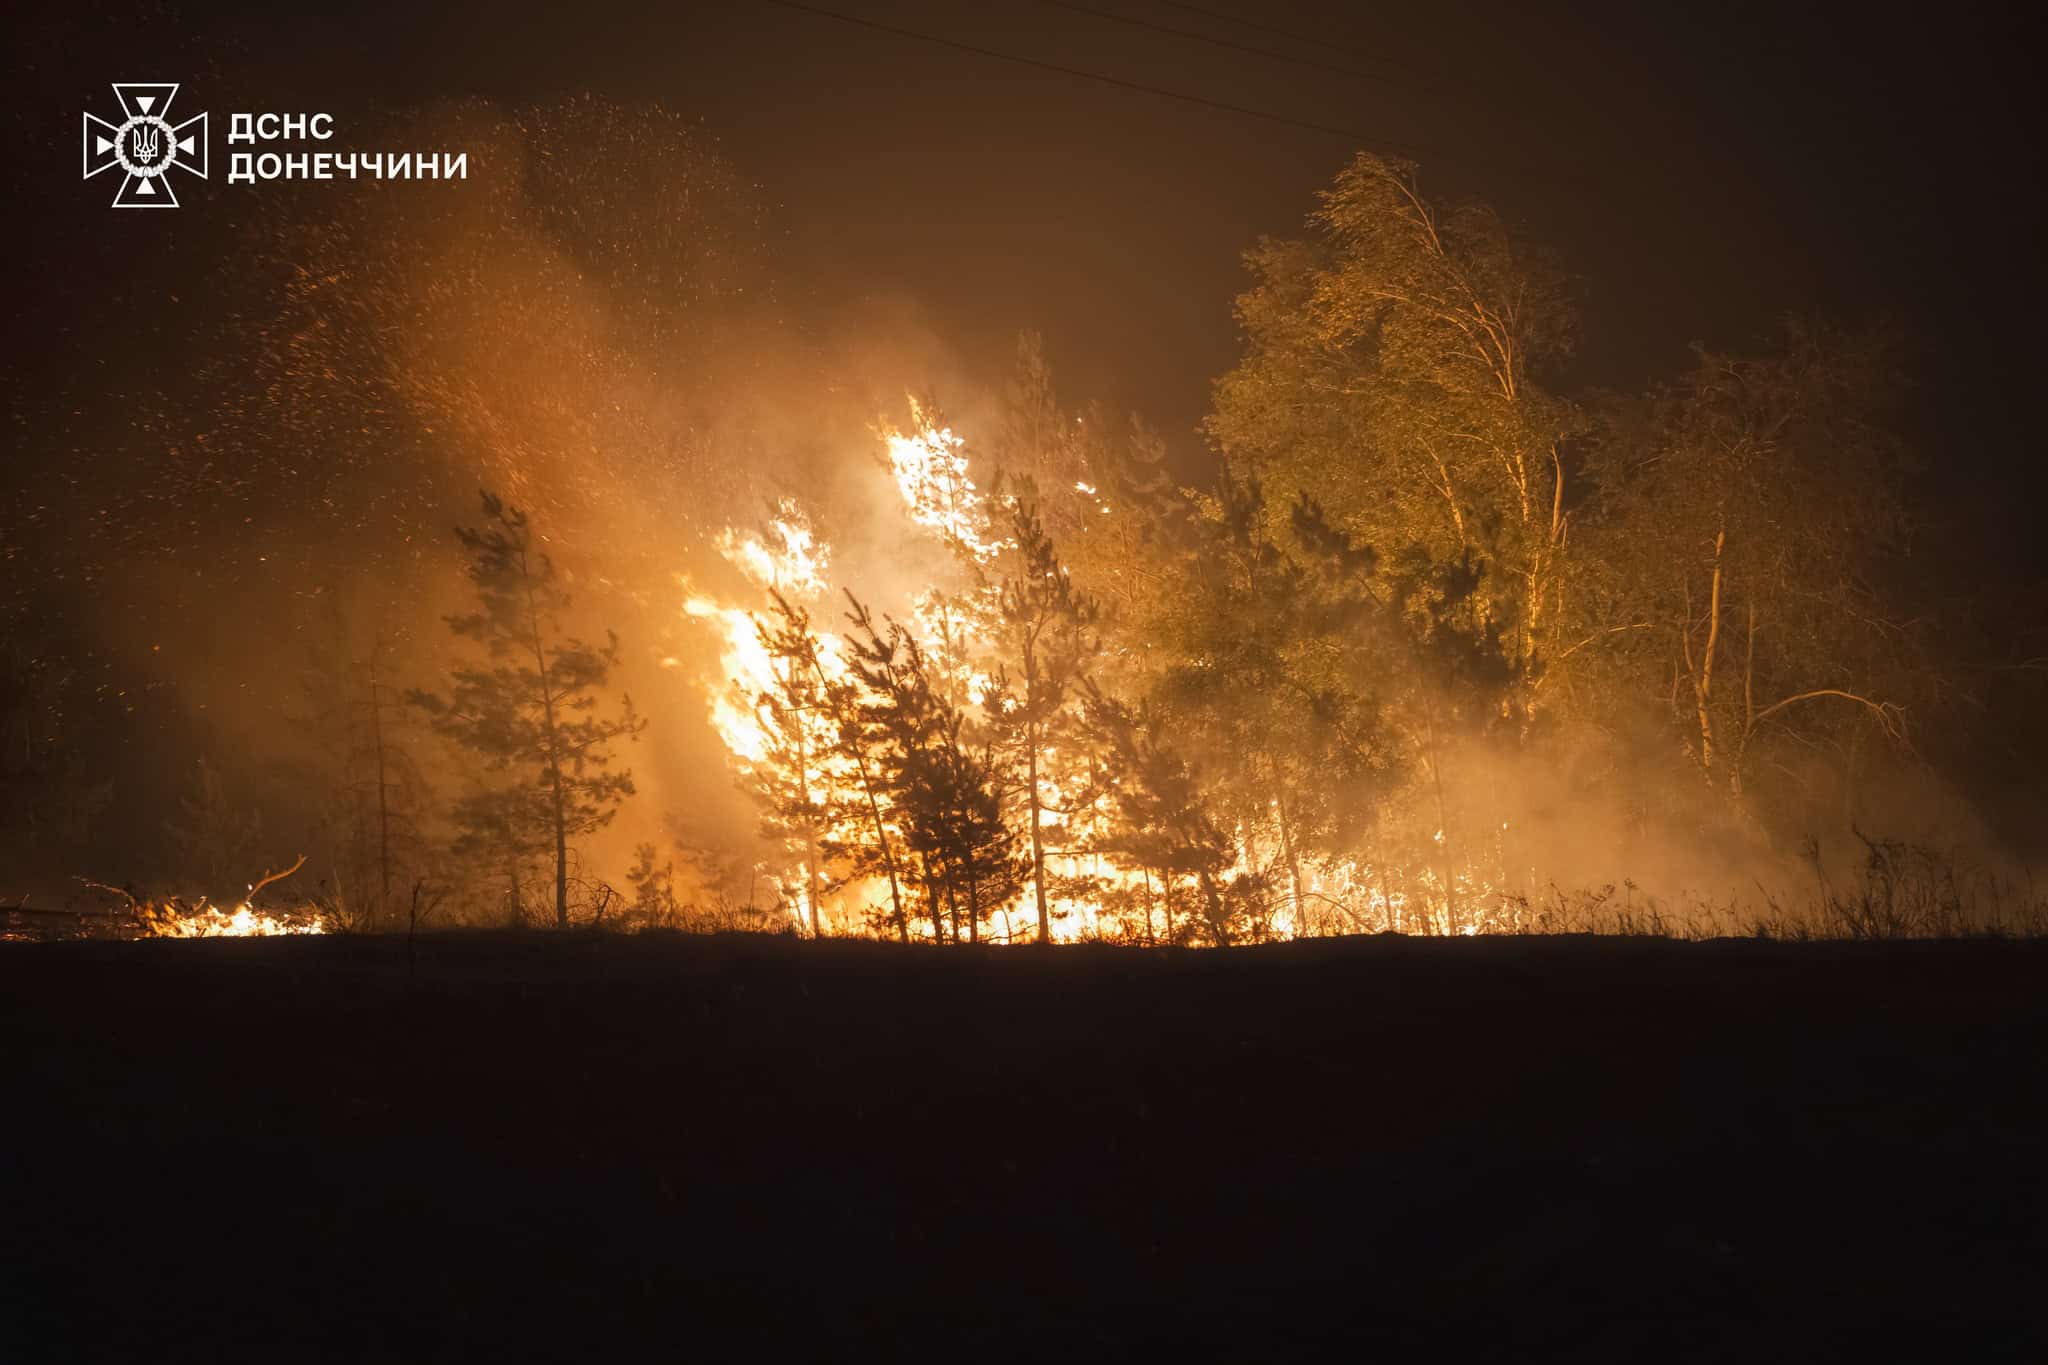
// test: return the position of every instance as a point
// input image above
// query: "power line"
(1277, 32)
(1268, 52)
(1348, 134)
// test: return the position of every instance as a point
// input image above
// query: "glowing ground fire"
(244, 921)
(203, 919)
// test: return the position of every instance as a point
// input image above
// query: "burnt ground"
(608, 1148)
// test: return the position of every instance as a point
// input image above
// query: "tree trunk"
(561, 852)
(882, 840)
(1212, 902)
(554, 753)
(1748, 709)
(383, 799)
(1443, 824)
(1703, 676)
(811, 878)
(803, 794)
(1288, 851)
(1037, 845)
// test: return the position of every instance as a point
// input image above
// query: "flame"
(748, 672)
(793, 560)
(794, 565)
(796, 569)
(208, 921)
(931, 471)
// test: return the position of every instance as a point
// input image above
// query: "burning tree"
(1162, 828)
(866, 838)
(1043, 626)
(529, 713)
(932, 473)
(791, 780)
(942, 785)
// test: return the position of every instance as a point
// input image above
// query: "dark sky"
(1701, 171)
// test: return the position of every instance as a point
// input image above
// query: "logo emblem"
(146, 145)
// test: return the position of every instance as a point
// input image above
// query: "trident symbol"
(147, 142)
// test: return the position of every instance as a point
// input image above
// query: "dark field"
(606, 1148)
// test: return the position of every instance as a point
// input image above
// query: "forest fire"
(788, 696)
(1421, 636)
(794, 709)
(1023, 681)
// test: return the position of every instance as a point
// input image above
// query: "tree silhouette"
(529, 711)
(1044, 627)
(360, 721)
(942, 784)
(862, 735)
(1162, 827)
(791, 781)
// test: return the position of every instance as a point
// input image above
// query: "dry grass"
(1896, 890)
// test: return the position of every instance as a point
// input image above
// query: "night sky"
(1701, 170)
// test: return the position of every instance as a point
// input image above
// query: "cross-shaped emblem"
(145, 145)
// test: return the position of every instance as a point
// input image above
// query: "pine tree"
(360, 720)
(1270, 662)
(956, 811)
(942, 782)
(859, 737)
(1161, 825)
(1044, 628)
(654, 887)
(792, 782)
(502, 829)
(529, 711)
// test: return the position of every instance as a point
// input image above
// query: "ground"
(602, 1148)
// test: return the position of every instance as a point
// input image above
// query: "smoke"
(593, 326)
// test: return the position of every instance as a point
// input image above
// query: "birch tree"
(1392, 373)
(1753, 517)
